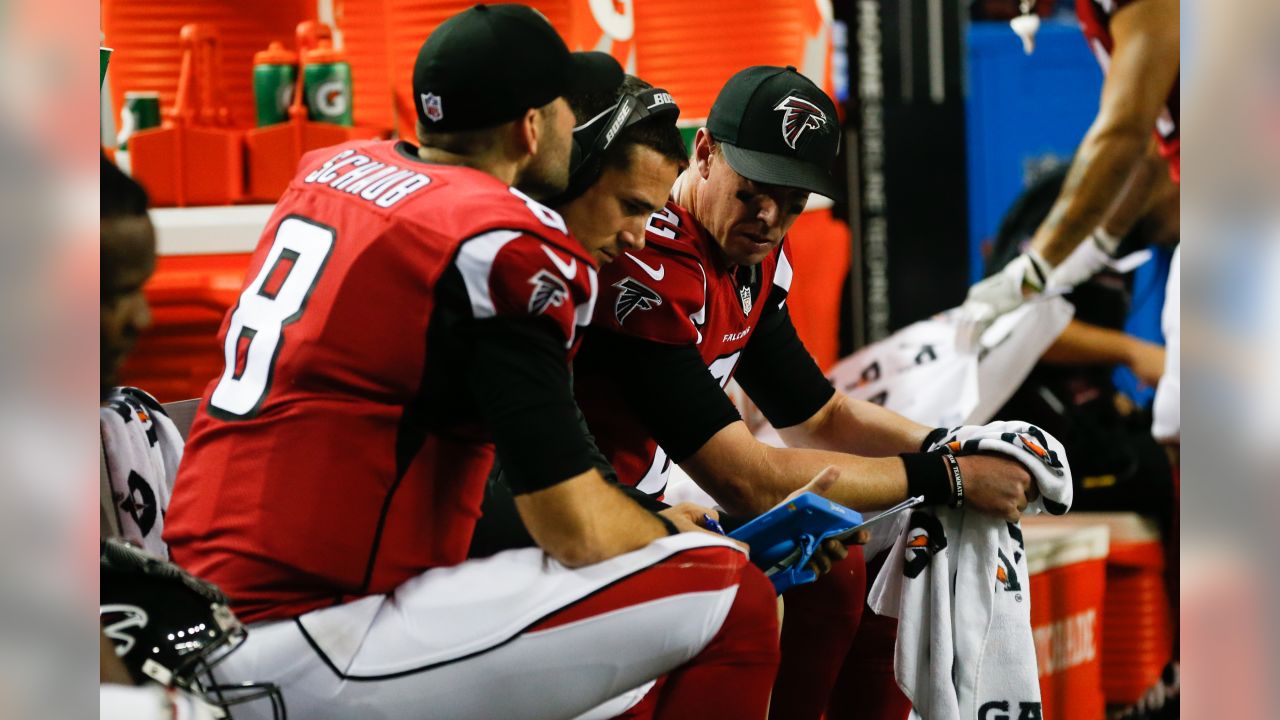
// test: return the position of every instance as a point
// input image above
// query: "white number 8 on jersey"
(275, 298)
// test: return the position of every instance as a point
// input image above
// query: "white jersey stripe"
(582, 316)
(783, 273)
(475, 261)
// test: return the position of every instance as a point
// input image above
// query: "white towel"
(920, 373)
(958, 583)
(142, 448)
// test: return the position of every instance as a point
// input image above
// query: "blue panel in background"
(1023, 115)
(1149, 282)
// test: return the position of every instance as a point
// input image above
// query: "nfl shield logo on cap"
(432, 107)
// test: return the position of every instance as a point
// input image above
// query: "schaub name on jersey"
(320, 453)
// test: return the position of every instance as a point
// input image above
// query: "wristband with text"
(957, 479)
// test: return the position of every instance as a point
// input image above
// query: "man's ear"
(528, 130)
(702, 152)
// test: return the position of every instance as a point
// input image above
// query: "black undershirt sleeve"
(667, 386)
(500, 526)
(779, 374)
(520, 377)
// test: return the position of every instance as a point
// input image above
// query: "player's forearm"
(747, 477)
(855, 426)
(1144, 66)
(1097, 177)
(584, 520)
(1085, 344)
(1136, 194)
(865, 483)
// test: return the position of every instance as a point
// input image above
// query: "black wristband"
(670, 526)
(934, 436)
(957, 479)
(929, 476)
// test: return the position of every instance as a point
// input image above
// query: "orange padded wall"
(384, 55)
(692, 48)
(364, 27)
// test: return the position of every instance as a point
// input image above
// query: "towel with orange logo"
(957, 581)
(142, 448)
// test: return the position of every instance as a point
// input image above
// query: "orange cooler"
(1067, 564)
(1137, 625)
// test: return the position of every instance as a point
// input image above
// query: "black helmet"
(170, 627)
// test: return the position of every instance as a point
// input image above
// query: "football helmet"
(170, 627)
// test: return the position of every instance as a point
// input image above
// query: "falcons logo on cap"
(633, 295)
(548, 290)
(799, 115)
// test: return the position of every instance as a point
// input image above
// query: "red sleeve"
(653, 295)
(513, 274)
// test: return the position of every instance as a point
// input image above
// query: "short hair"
(122, 196)
(657, 132)
(458, 142)
(470, 143)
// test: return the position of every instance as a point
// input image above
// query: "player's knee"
(755, 611)
(845, 586)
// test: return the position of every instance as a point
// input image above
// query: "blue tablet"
(783, 539)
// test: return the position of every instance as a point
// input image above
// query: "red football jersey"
(674, 291)
(340, 454)
(1095, 19)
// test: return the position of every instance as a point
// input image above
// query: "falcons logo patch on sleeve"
(799, 115)
(548, 291)
(633, 295)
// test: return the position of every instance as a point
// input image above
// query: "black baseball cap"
(776, 127)
(489, 64)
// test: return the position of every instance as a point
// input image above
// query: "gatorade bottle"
(141, 112)
(275, 71)
(326, 84)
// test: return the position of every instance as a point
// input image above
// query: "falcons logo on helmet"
(548, 291)
(633, 295)
(799, 115)
(118, 620)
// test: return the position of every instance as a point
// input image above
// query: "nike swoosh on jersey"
(568, 269)
(657, 275)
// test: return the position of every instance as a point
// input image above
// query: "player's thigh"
(512, 636)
